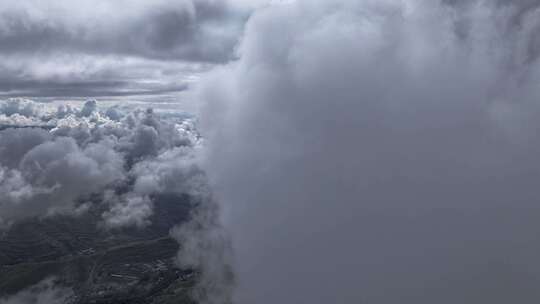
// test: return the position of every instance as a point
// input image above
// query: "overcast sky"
(129, 50)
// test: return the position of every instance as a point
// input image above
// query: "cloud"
(206, 246)
(52, 160)
(367, 151)
(15, 143)
(84, 88)
(124, 163)
(21, 107)
(188, 30)
(130, 211)
(113, 49)
(175, 171)
(62, 172)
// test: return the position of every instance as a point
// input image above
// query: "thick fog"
(380, 152)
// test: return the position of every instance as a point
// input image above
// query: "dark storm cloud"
(176, 30)
(49, 88)
(16, 143)
(62, 49)
(366, 152)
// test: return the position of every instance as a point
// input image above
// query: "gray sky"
(123, 49)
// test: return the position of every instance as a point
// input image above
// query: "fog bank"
(380, 152)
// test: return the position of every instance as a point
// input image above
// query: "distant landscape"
(125, 266)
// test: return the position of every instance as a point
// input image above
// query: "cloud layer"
(121, 162)
(52, 160)
(381, 152)
(113, 48)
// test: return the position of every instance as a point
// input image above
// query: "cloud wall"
(380, 152)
